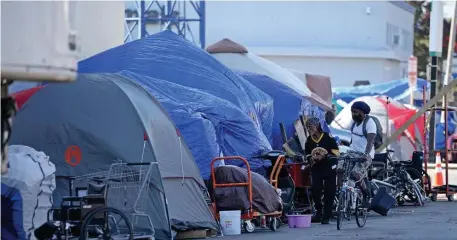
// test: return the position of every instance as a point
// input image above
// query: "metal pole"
(450, 53)
(424, 101)
(435, 49)
(446, 148)
(450, 50)
(433, 80)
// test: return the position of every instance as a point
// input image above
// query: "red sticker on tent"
(73, 156)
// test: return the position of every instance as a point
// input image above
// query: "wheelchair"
(86, 217)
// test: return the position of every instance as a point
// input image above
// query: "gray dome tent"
(112, 118)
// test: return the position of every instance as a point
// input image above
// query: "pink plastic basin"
(299, 221)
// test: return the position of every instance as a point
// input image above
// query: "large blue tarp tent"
(170, 57)
(288, 105)
(208, 124)
(397, 90)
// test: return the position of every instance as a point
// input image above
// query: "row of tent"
(399, 94)
(162, 99)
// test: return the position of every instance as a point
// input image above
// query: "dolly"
(250, 218)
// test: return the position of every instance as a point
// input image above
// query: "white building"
(348, 41)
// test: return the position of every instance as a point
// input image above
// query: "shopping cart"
(123, 190)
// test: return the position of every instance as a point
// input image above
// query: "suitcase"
(382, 202)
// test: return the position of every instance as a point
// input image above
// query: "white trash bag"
(33, 174)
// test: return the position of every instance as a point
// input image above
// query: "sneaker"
(317, 218)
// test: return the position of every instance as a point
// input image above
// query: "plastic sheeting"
(33, 174)
(288, 105)
(208, 124)
(397, 90)
(170, 57)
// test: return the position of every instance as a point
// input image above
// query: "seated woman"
(323, 172)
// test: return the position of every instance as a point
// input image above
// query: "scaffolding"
(143, 18)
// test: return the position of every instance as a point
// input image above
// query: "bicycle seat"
(390, 150)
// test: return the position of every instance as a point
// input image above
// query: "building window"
(393, 39)
(406, 41)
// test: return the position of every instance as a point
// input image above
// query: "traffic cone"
(439, 180)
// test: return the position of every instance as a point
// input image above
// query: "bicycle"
(350, 199)
(398, 176)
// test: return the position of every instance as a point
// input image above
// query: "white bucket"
(230, 222)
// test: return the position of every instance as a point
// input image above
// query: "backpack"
(378, 140)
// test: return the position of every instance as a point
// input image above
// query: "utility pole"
(450, 54)
(435, 50)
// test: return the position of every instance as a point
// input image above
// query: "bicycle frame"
(349, 187)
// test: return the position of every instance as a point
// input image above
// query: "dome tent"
(107, 116)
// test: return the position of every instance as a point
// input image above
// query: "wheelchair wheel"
(97, 225)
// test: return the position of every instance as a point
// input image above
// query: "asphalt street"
(435, 220)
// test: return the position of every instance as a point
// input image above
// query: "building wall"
(345, 40)
(343, 71)
(100, 25)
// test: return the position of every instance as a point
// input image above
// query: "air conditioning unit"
(37, 42)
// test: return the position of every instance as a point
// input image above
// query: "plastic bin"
(299, 221)
(230, 222)
(382, 202)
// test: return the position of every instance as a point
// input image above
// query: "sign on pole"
(412, 72)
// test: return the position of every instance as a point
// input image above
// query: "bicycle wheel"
(104, 229)
(341, 209)
(360, 213)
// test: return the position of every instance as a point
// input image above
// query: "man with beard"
(363, 136)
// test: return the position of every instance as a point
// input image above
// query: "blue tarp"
(397, 89)
(207, 123)
(288, 105)
(170, 57)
